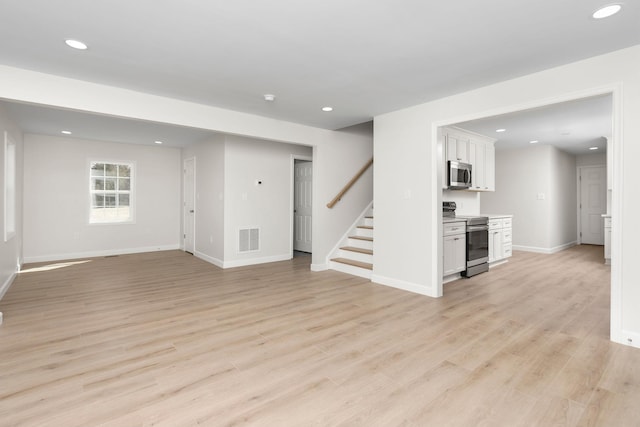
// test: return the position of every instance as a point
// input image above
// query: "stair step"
(369, 217)
(368, 239)
(366, 227)
(364, 265)
(359, 250)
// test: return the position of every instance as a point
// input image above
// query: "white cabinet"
(469, 147)
(482, 159)
(607, 240)
(454, 247)
(500, 238)
(457, 149)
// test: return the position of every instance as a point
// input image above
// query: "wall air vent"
(249, 240)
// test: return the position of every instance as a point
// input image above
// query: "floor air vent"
(249, 240)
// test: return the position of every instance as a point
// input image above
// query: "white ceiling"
(362, 57)
(573, 126)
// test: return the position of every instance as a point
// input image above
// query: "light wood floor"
(166, 339)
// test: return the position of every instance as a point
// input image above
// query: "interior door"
(593, 203)
(303, 178)
(189, 205)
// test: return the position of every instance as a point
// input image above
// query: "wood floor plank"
(166, 339)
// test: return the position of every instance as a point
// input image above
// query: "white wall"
(11, 251)
(209, 204)
(563, 196)
(522, 175)
(408, 229)
(266, 206)
(592, 159)
(56, 199)
(467, 202)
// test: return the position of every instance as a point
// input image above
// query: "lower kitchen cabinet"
(500, 238)
(454, 248)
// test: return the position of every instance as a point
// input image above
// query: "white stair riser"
(356, 256)
(364, 232)
(368, 221)
(357, 243)
(350, 269)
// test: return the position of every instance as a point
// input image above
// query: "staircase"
(355, 253)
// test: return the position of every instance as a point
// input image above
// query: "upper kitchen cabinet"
(457, 146)
(473, 148)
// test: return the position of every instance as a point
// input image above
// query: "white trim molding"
(405, 286)
(548, 251)
(97, 254)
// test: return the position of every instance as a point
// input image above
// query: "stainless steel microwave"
(458, 175)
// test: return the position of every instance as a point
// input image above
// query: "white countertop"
(498, 215)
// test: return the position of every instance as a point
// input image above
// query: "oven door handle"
(477, 228)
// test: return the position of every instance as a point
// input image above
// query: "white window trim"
(132, 191)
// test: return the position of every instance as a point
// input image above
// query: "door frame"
(579, 170)
(617, 332)
(292, 190)
(184, 203)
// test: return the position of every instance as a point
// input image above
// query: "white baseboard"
(215, 261)
(7, 284)
(96, 254)
(405, 286)
(319, 267)
(632, 339)
(548, 251)
(254, 261)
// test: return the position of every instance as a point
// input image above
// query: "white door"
(189, 205)
(303, 177)
(593, 203)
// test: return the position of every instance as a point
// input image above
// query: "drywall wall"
(523, 185)
(209, 203)
(257, 186)
(56, 199)
(407, 241)
(11, 250)
(596, 159)
(563, 201)
(537, 185)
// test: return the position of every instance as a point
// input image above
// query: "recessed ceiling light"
(500, 130)
(76, 44)
(66, 132)
(593, 148)
(327, 109)
(269, 97)
(535, 141)
(606, 11)
(158, 142)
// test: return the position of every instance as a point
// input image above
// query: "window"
(9, 187)
(111, 192)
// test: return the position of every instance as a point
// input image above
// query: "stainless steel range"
(477, 252)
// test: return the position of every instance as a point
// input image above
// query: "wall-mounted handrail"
(346, 188)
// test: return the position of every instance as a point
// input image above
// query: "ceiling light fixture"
(535, 141)
(158, 142)
(500, 130)
(606, 11)
(327, 109)
(76, 44)
(269, 97)
(593, 148)
(66, 132)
